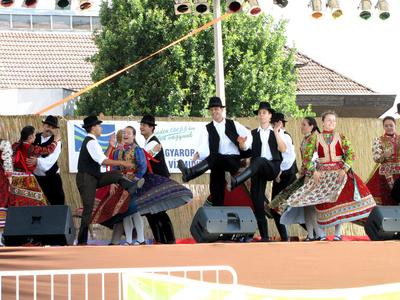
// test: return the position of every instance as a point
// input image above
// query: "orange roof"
(58, 60)
(315, 78)
(45, 60)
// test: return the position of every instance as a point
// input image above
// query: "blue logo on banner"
(80, 134)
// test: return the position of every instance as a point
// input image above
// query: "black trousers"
(52, 188)
(395, 192)
(161, 227)
(286, 179)
(87, 185)
(263, 170)
(219, 164)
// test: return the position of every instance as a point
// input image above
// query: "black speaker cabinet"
(383, 223)
(46, 225)
(211, 224)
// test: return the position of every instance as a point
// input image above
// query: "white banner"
(179, 140)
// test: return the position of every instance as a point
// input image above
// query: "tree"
(180, 80)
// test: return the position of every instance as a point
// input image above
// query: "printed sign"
(178, 139)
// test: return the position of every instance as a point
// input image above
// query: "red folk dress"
(6, 170)
(335, 202)
(25, 189)
(386, 153)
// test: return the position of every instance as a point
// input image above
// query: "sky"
(367, 51)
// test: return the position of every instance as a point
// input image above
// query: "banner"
(178, 139)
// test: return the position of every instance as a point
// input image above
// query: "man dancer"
(47, 171)
(266, 157)
(160, 223)
(288, 171)
(89, 177)
(220, 148)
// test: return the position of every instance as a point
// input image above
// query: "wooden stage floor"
(294, 265)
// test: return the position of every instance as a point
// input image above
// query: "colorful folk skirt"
(157, 194)
(26, 191)
(279, 203)
(4, 196)
(354, 203)
(328, 190)
(380, 188)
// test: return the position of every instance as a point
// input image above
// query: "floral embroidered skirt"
(279, 203)
(157, 194)
(5, 197)
(354, 203)
(26, 191)
(335, 202)
(380, 188)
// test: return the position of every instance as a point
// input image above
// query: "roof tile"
(58, 60)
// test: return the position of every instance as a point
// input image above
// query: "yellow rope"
(88, 88)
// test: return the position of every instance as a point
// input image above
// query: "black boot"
(263, 229)
(131, 185)
(155, 227)
(242, 177)
(167, 228)
(193, 172)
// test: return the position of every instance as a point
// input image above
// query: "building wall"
(29, 101)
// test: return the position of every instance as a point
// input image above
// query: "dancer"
(339, 194)
(309, 127)
(47, 171)
(266, 156)
(89, 177)
(220, 148)
(384, 182)
(25, 189)
(287, 174)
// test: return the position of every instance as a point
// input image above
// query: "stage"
(276, 265)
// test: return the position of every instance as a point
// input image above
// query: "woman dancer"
(309, 127)
(25, 189)
(339, 194)
(386, 174)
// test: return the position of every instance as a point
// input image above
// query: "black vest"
(213, 137)
(293, 169)
(159, 168)
(273, 145)
(38, 139)
(86, 164)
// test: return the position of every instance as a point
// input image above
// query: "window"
(4, 21)
(61, 22)
(41, 22)
(81, 23)
(96, 23)
(21, 21)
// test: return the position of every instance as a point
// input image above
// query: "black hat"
(149, 120)
(276, 117)
(398, 108)
(264, 105)
(215, 102)
(51, 120)
(90, 121)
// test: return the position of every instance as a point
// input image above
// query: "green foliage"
(180, 80)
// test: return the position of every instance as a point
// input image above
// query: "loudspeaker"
(383, 223)
(223, 223)
(46, 225)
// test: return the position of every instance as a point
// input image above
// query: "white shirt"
(226, 147)
(149, 146)
(95, 150)
(45, 163)
(289, 156)
(264, 136)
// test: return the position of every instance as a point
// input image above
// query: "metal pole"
(219, 56)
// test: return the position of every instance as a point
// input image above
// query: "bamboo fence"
(360, 132)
